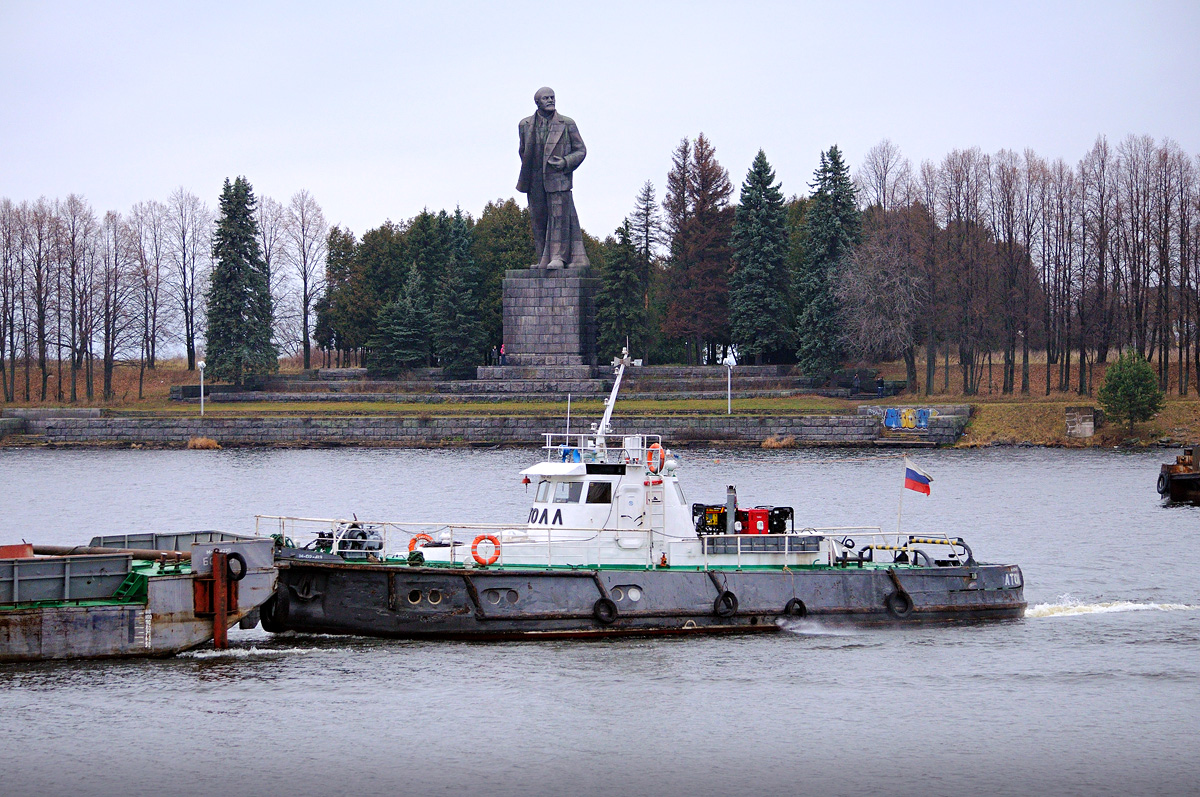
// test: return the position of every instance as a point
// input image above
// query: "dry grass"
(774, 441)
(203, 444)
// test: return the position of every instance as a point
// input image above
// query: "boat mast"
(619, 364)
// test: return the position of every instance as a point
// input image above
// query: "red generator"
(759, 520)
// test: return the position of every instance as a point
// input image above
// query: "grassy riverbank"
(996, 419)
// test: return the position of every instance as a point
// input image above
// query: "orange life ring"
(495, 545)
(412, 544)
(655, 456)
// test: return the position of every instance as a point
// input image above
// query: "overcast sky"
(381, 109)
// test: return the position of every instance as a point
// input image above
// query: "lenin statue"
(551, 149)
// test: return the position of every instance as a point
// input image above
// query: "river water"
(1097, 691)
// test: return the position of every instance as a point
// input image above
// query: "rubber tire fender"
(795, 608)
(273, 614)
(1162, 484)
(898, 604)
(605, 611)
(726, 604)
(235, 573)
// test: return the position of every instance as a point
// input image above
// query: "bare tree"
(1096, 172)
(77, 226)
(149, 228)
(273, 240)
(881, 293)
(117, 292)
(189, 248)
(884, 177)
(40, 223)
(307, 232)
(9, 254)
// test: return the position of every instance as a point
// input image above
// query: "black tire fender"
(898, 604)
(1162, 484)
(605, 611)
(726, 604)
(235, 566)
(795, 608)
(267, 618)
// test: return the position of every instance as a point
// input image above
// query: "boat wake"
(249, 653)
(813, 628)
(1069, 607)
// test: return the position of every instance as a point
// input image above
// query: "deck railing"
(365, 539)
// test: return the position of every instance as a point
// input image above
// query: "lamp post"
(729, 388)
(200, 365)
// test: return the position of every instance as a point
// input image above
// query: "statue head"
(544, 97)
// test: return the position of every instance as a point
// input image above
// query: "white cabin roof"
(556, 469)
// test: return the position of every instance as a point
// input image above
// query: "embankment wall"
(429, 431)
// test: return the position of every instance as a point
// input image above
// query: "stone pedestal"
(550, 317)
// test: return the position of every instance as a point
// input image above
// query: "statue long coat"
(563, 139)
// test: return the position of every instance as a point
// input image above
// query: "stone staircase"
(520, 383)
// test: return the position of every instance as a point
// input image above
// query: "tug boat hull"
(388, 600)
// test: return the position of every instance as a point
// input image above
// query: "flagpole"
(900, 504)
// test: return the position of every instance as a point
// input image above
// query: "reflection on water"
(1095, 693)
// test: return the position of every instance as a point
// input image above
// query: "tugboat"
(612, 547)
(1180, 481)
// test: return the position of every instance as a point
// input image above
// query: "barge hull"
(71, 625)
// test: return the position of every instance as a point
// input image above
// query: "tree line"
(81, 292)
(991, 258)
(978, 262)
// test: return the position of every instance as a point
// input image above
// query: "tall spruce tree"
(400, 340)
(457, 334)
(759, 313)
(647, 234)
(620, 305)
(346, 313)
(699, 220)
(238, 340)
(832, 226)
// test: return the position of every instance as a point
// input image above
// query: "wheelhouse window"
(567, 492)
(543, 491)
(599, 493)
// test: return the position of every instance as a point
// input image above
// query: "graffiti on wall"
(908, 417)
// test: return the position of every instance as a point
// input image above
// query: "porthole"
(414, 596)
(492, 595)
(511, 595)
(628, 592)
(435, 596)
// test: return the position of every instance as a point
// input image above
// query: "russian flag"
(915, 478)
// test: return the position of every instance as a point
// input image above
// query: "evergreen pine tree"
(1130, 391)
(647, 230)
(457, 334)
(832, 226)
(620, 307)
(759, 317)
(238, 339)
(699, 219)
(502, 241)
(401, 338)
(398, 342)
